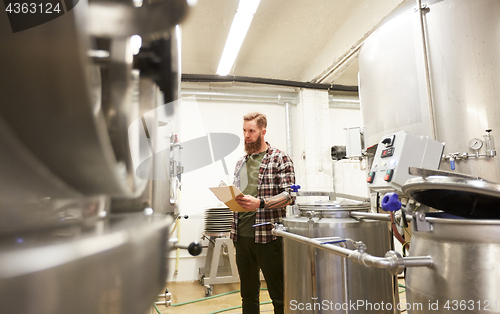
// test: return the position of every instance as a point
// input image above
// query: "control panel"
(395, 154)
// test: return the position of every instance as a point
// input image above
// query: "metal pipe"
(345, 59)
(236, 99)
(370, 260)
(393, 261)
(427, 70)
(266, 81)
(351, 197)
(375, 216)
(280, 231)
(351, 101)
(242, 95)
(178, 251)
(288, 118)
(345, 280)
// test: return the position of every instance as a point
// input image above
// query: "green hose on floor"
(237, 307)
(208, 298)
(402, 286)
(157, 309)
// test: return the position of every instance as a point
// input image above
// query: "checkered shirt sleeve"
(276, 176)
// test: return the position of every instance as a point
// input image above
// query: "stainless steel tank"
(465, 272)
(320, 282)
(462, 39)
(70, 96)
(464, 247)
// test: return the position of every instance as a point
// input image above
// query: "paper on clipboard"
(227, 195)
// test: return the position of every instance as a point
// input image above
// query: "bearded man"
(265, 176)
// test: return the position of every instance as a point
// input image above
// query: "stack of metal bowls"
(218, 221)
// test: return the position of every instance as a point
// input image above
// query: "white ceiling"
(296, 40)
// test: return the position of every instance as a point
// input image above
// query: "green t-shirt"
(247, 219)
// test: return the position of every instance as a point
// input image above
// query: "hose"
(208, 298)
(178, 251)
(173, 229)
(237, 307)
(404, 245)
(397, 234)
(402, 286)
(157, 310)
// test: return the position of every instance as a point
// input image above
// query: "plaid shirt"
(276, 176)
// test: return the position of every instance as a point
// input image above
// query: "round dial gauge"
(475, 143)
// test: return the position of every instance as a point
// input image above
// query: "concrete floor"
(189, 291)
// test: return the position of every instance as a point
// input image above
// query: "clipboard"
(227, 195)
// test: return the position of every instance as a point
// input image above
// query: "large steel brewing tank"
(464, 247)
(314, 276)
(462, 40)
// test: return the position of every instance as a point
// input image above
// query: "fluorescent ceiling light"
(135, 44)
(237, 32)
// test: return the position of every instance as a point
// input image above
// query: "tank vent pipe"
(421, 11)
(288, 117)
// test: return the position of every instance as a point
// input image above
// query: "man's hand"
(248, 202)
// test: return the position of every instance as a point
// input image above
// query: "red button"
(371, 175)
(388, 175)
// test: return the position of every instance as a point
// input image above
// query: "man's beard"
(254, 147)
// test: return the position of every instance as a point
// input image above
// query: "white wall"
(316, 128)
(340, 119)
(350, 175)
(197, 119)
(312, 141)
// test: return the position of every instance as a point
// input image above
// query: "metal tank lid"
(343, 205)
(465, 197)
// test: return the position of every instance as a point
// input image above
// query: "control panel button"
(388, 175)
(389, 140)
(387, 152)
(370, 177)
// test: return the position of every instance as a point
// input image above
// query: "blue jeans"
(250, 258)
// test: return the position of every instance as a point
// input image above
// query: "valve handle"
(390, 202)
(195, 248)
(295, 187)
(452, 164)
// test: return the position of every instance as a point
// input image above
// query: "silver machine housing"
(462, 53)
(432, 69)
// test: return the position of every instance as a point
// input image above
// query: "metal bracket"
(421, 224)
(424, 7)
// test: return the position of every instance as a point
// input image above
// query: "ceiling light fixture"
(237, 32)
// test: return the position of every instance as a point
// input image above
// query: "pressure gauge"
(475, 143)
